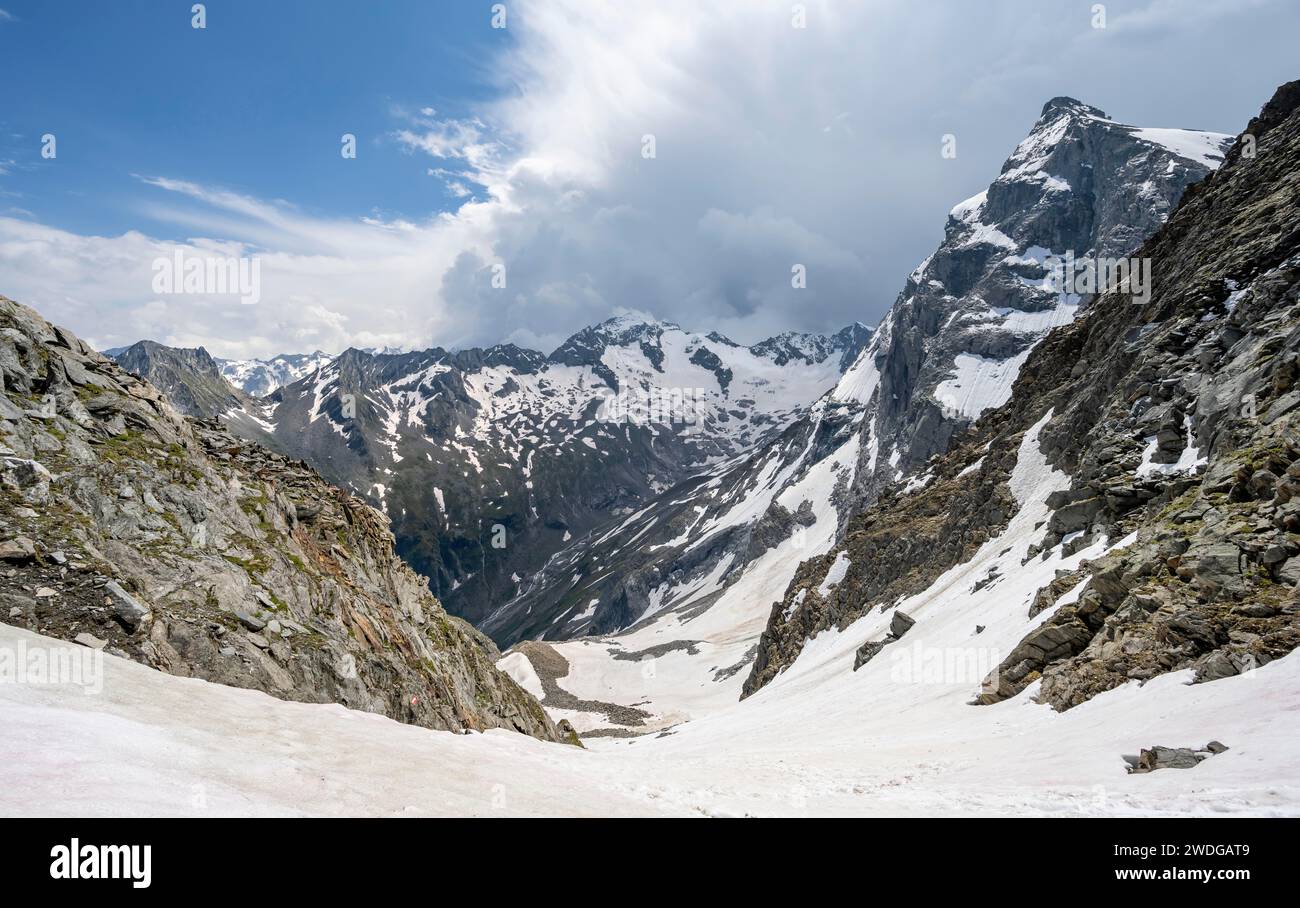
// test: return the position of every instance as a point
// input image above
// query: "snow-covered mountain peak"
(634, 321)
(1070, 132)
(1063, 105)
(260, 377)
(1078, 188)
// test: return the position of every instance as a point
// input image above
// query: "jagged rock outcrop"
(167, 540)
(189, 377)
(193, 383)
(1177, 421)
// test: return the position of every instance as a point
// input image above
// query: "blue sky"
(256, 102)
(521, 148)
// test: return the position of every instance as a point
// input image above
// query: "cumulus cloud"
(774, 146)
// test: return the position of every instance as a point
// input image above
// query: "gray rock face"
(1079, 186)
(204, 568)
(190, 378)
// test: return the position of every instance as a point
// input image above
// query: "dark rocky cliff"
(127, 526)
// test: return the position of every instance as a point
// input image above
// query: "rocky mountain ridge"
(191, 378)
(1174, 428)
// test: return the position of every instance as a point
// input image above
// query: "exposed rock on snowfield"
(166, 540)
(1172, 757)
(899, 625)
(1173, 428)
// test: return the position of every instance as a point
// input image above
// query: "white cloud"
(774, 146)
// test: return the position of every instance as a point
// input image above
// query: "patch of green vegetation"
(130, 445)
(439, 630)
(256, 507)
(257, 563)
(155, 548)
(180, 466)
(278, 604)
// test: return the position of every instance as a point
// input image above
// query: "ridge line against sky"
(523, 146)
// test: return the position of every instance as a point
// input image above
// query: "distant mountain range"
(259, 377)
(487, 461)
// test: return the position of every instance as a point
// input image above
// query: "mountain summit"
(697, 568)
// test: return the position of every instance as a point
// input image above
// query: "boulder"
(252, 622)
(26, 476)
(1262, 483)
(1159, 757)
(900, 624)
(126, 607)
(867, 652)
(17, 550)
(1077, 515)
(1289, 572)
